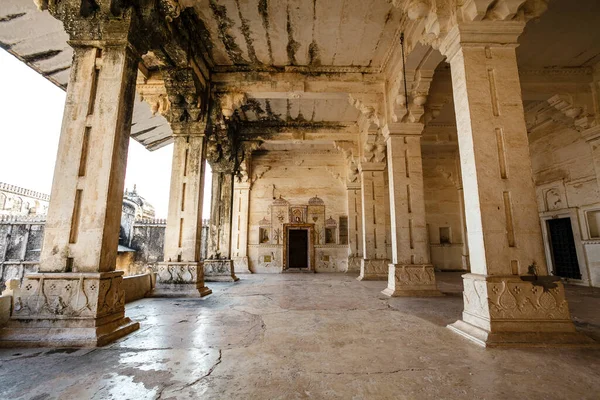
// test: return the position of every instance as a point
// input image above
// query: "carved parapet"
(411, 280)
(179, 272)
(219, 271)
(69, 296)
(373, 270)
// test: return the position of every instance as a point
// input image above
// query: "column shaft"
(355, 231)
(76, 299)
(509, 300)
(84, 215)
(184, 224)
(374, 264)
(410, 273)
(219, 265)
(239, 223)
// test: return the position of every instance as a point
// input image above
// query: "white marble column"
(76, 298)
(355, 231)
(374, 264)
(219, 267)
(183, 235)
(411, 273)
(239, 227)
(509, 299)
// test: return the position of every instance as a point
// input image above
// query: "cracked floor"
(302, 336)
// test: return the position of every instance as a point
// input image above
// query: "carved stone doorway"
(298, 247)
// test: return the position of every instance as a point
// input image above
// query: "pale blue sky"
(31, 110)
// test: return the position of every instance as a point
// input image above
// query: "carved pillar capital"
(402, 129)
(481, 34)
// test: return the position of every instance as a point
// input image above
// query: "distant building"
(18, 201)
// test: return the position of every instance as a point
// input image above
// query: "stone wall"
(442, 183)
(295, 186)
(567, 187)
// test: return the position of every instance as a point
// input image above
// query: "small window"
(445, 235)
(329, 235)
(263, 235)
(593, 220)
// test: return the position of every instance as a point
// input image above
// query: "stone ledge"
(522, 339)
(31, 334)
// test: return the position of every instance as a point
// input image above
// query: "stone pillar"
(76, 298)
(411, 273)
(374, 264)
(219, 265)
(355, 231)
(509, 299)
(241, 209)
(183, 235)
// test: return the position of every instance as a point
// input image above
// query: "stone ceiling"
(261, 33)
(337, 45)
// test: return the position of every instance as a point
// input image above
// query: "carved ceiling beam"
(268, 129)
(561, 108)
(293, 85)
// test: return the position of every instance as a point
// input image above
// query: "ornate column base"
(411, 281)
(67, 310)
(240, 265)
(354, 265)
(219, 271)
(373, 270)
(183, 273)
(517, 311)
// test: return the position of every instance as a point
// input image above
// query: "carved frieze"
(512, 298)
(176, 272)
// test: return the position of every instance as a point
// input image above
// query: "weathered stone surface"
(219, 271)
(67, 309)
(322, 333)
(517, 311)
(182, 273)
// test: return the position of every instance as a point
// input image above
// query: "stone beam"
(275, 130)
(282, 84)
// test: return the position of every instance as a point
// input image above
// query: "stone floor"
(297, 336)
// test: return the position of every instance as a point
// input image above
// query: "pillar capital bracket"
(403, 129)
(481, 34)
(371, 166)
(188, 98)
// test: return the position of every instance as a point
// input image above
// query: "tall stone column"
(374, 264)
(509, 299)
(183, 235)
(76, 299)
(355, 231)
(411, 273)
(219, 265)
(239, 226)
